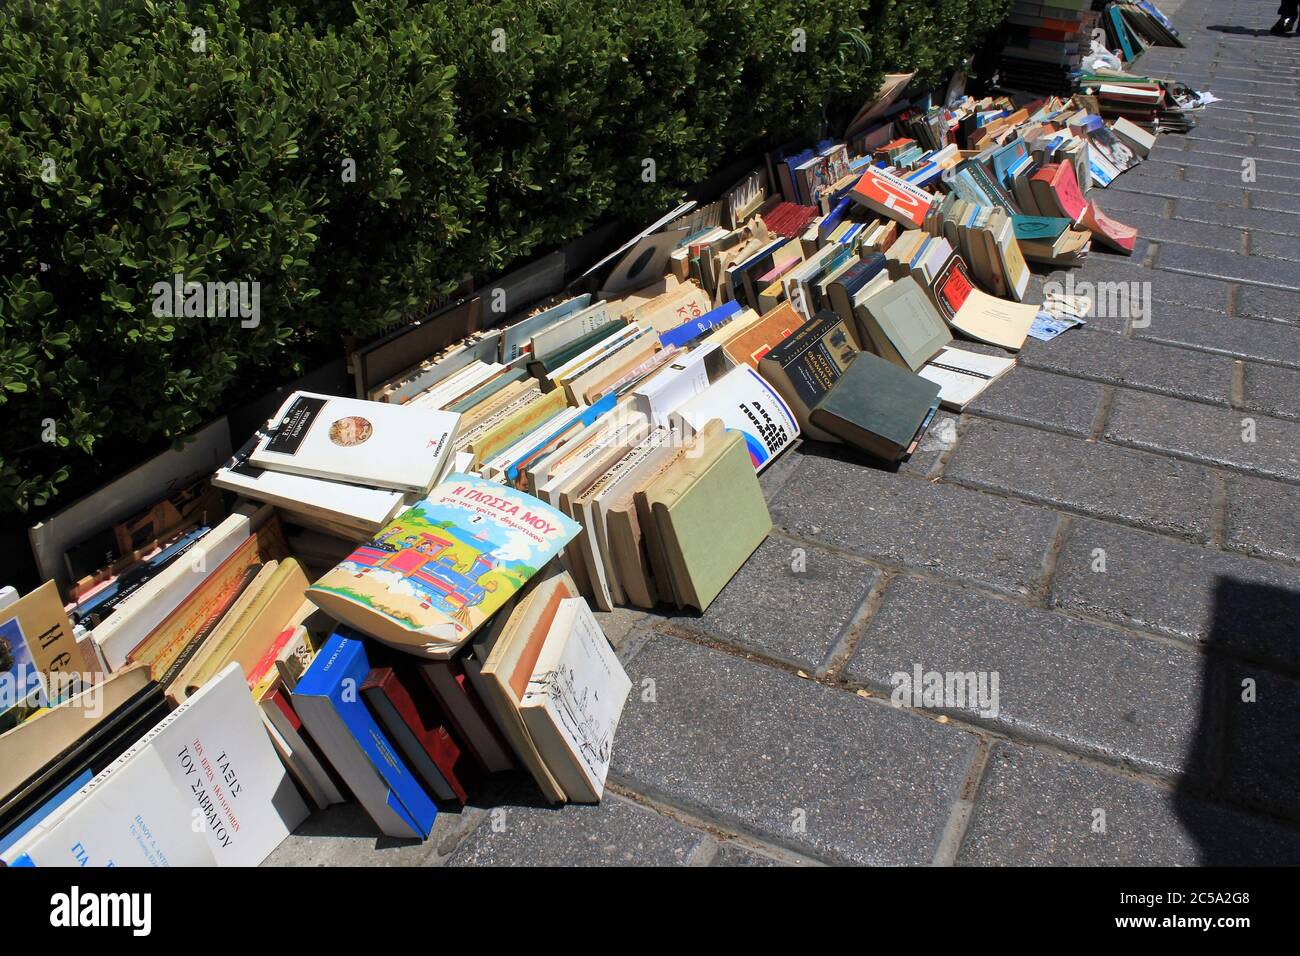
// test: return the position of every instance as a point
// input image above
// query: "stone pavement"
(1113, 531)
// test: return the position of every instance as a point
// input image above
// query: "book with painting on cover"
(574, 698)
(39, 660)
(365, 443)
(444, 566)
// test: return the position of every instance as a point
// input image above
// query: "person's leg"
(1288, 13)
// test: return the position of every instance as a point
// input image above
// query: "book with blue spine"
(328, 700)
(692, 330)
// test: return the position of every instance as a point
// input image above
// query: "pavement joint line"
(1219, 513)
(1275, 286)
(1245, 242)
(1133, 630)
(941, 462)
(1148, 261)
(1051, 557)
(1234, 302)
(847, 641)
(1098, 428)
(699, 818)
(1237, 390)
(959, 815)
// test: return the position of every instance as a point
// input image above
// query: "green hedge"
(212, 140)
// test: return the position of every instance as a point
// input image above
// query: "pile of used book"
(388, 596)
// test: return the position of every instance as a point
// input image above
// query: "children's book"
(444, 566)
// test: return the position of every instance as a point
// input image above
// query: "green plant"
(355, 160)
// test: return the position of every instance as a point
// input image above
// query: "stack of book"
(1045, 44)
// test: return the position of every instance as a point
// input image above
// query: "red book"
(1115, 234)
(891, 196)
(1057, 182)
(407, 710)
(467, 715)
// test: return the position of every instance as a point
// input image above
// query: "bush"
(355, 160)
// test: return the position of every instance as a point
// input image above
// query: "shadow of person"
(1236, 29)
(1246, 753)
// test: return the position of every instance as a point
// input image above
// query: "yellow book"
(528, 418)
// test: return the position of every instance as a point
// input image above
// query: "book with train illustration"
(441, 568)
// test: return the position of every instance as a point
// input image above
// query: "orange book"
(757, 340)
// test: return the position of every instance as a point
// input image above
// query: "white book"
(743, 401)
(138, 818)
(353, 440)
(368, 508)
(216, 753)
(516, 339)
(573, 702)
(963, 376)
(459, 384)
(661, 394)
(568, 330)
(146, 608)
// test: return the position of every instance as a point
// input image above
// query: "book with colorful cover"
(445, 565)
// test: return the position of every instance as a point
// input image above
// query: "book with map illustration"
(442, 567)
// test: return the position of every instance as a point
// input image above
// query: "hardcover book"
(444, 566)
(366, 443)
(902, 323)
(877, 406)
(804, 367)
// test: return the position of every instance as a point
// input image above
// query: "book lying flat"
(445, 565)
(962, 375)
(877, 406)
(365, 443)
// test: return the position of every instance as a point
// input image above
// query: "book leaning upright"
(404, 447)
(574, 699)
(224, 774)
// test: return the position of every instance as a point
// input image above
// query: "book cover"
(891, 196)
(348, 439)
(877, 406)
(746, 403)
(444, 566)
(39, 659)
(574, 699)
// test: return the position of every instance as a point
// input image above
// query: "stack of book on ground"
(1134, 26)
(392, 597)
(1045, 44)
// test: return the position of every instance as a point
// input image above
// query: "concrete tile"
(789, 601)
(1257, 302)
(1274, 273)
(1263, 738)
(615, 832)
(1147, 490)
(1263, 518)
(1035, 810)
(797, 764)
(1135, 363)
(954, 532)
(1270, 447)
(1056, 677)
(1215, 332)
(1042, 398)
(1272, 390)
(1183, 590)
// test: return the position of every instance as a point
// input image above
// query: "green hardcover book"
(1040, 228)
(709, 514)
(903, 324)
(876, 406)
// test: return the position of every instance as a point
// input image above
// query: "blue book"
(328, 701)
(689, 331)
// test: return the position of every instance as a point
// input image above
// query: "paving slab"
(798, 764)
(1204, 330)
(790, 602)
(1036, 810)
(953, 532)
(1034, 397)
(1263, 518)
(615, 832)
(1263, 739)
(1244, 605)
(1077, 685)
(1230, 438)
(1151, 491)
(1274, 391)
